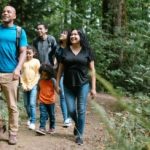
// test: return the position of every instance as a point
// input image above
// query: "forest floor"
(63, 138)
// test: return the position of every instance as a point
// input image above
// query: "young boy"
(46, 98)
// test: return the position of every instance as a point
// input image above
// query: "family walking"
(44, 69)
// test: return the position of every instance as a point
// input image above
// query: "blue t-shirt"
(8, 50)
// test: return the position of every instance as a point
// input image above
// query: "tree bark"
(114, 19)
(114, 15)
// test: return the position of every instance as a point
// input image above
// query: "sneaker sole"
(40, 132)
(30, 128)
(12, 143)
(51, 132)
(67, 125)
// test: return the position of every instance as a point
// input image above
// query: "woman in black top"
(76, 61)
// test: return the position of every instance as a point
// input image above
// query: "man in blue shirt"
(11, 60)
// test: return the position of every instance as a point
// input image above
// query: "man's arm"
(22, 57)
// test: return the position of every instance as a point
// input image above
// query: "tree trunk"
(114, 19)
(114, 15)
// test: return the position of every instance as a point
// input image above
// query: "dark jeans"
(44, 110)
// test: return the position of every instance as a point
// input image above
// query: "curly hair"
(48, 69)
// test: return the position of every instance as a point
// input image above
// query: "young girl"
(46, 98)
(29, 79)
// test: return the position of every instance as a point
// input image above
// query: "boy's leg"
(51, 112)
(43, 116)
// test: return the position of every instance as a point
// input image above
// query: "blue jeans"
(30, 103)
(76, 99)
(63, 104)
(47, 109)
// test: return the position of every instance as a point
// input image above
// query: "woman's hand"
(93, 93)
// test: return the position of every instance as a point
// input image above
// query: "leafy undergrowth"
(127, 122)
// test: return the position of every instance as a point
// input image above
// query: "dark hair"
(32, 48)
(48, 69)
(43, 24)
(68, 33)
(83, 39)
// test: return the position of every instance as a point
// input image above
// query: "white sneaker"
(67, 123)
(28, 123)
(32, 126)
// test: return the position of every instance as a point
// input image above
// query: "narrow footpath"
(62, 139)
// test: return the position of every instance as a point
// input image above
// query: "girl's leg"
(27, 103)
(33, 94)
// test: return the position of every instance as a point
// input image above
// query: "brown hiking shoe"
(12, 139)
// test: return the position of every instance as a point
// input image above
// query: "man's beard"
(6, 21)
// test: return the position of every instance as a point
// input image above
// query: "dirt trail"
(63, 138)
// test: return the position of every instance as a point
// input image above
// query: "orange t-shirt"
(46, 92)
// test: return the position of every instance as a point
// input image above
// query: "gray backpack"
(18, 35)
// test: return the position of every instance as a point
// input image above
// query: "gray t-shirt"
(45, 49)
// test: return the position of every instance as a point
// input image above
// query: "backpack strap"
(49, 41)
(18, 35)
(52, 47)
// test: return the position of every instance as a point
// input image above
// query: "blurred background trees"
(118, 30)
(119, 34)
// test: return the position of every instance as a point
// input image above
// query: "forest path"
(63, 138)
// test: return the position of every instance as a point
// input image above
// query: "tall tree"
(114, 15)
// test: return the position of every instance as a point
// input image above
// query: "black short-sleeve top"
(76, 67)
